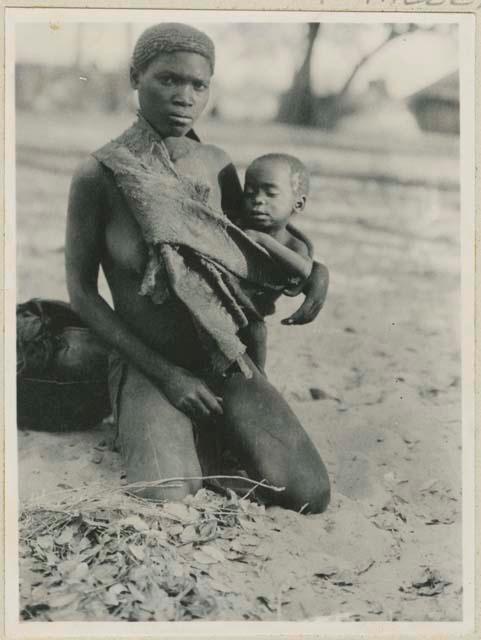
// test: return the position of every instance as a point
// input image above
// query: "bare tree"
(299, 105)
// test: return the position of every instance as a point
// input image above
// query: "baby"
(276, 187)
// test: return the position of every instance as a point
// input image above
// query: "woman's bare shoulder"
(90, 170)
(92, 187)
(218, 155)
(92, 178)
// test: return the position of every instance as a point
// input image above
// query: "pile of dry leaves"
(102, 554)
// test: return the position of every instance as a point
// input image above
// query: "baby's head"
(276, 187)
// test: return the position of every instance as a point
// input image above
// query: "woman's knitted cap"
(169, 37)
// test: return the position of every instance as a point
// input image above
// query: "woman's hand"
(191, 395)
(316, 292)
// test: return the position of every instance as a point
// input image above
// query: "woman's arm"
(85, 242)
(295, 264)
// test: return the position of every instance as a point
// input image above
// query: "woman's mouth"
(180, 119)
(258, 215)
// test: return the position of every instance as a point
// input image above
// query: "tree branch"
(393, 34)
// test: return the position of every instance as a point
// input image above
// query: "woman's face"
(173, 91)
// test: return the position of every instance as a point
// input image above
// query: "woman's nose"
(184, 95)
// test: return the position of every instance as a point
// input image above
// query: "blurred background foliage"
(319, 75)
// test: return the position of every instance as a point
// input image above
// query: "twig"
(98, 495)
(155, 483)
(262, 483)
(359, 573)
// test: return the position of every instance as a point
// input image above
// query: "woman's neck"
(191, 134)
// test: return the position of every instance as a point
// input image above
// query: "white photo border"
(16, 629)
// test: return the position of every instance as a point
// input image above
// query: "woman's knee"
(157, 443)
(313, 497)
(275, 445)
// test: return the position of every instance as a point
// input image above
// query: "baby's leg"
(254, 336)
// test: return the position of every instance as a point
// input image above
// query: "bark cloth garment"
(195, 252)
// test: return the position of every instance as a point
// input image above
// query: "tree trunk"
(297, 103)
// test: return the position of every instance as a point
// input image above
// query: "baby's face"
(269, 198)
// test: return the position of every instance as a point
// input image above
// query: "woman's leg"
(156, 439)
(272, 443)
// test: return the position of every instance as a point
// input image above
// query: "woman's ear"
(300, 204)
(134, 78)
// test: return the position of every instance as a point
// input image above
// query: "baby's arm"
(297, 263)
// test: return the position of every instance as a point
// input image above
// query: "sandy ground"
(383, 358)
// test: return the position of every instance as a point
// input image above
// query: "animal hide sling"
(195, 252)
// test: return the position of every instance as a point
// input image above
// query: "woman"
(158, 385)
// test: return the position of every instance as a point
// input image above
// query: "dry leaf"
(237, 546)
(176, 511)
(177, 569)
(137, 551)
(80, 572)
(62, 600)
(207, 529)
(135, 522)
(249, 540)
(186, 549)
(135, 592)
(160, 536)
(246, 524)
(189, 534)
(116, 589)
(138, 574)
(45, 542)
(233, 555)
(39, 594)
(203, 558)
(175, 530)
(66, 566)
(90, 553)
(194, 514)
(83, 544)
(110, 599)
(214, 552)
(219, 586)
(66, 536)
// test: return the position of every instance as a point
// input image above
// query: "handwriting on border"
(476, 4)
